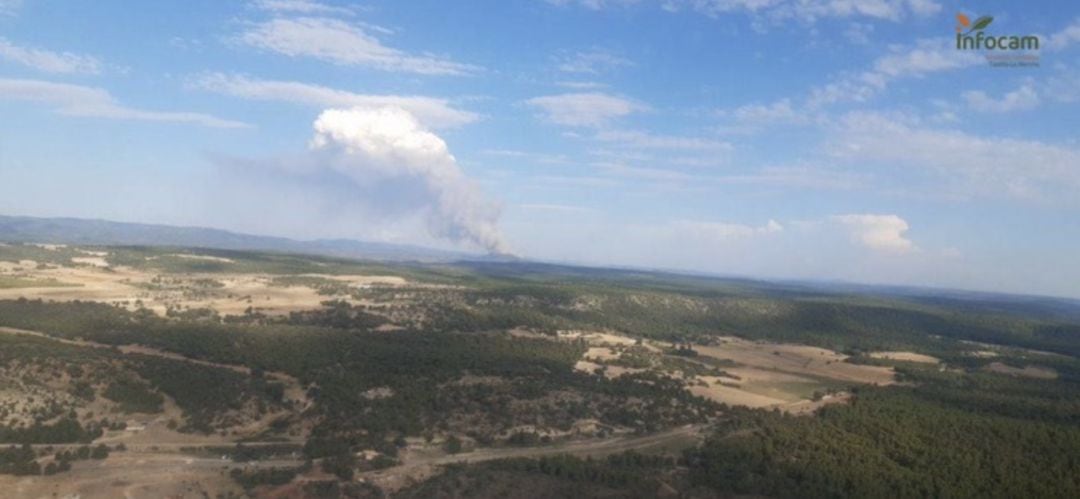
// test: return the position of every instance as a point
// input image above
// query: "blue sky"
(820, 139)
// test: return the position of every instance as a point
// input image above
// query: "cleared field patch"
(12, 282)
(1026, 371)
(798, 360)
(91, 278)
(601, 354)
(905, 356)
(795, 378)
(93, 261)
(720, 390)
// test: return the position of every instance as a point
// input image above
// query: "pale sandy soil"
(129, 475)
(766, 374)
(356, 279)
(989, 350)
(94, 280)
(597, 337)
(1027, 371)
(93, 261)
(905, 356)
(586, 366)
(205, 258)
(798, 360)
(730, 395)
(781, 375)
(601, 354)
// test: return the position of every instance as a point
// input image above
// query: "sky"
(846, 140)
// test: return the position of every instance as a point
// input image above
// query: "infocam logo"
(972, 36)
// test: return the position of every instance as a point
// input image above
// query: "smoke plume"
(388, 145)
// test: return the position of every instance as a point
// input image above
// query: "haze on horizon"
(779, 139)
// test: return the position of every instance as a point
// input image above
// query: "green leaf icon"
(981, 23)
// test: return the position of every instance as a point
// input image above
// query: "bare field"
(91, 278)
(783, 375)
(794, 378)
(906, 357)
(130, 475)
(1026, 371)
(797, 360)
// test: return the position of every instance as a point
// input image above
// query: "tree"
(453, 444)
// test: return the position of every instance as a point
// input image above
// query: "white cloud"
(592, 62)
(1063, 87)
(47, 60)
(338, 42)
(551, 159)
(859, 33)
(9, 7)
(594, 4)
(800, 176)
(924, 57)
(645, 140)
(807, 11)
(1067, 36)
(721, 231)
(377, 147)
(974, 165)
(1021, 99)
(299, 6)
(581, 85)
(433, 112)
(650, 174)
(777, 113)
(560, 209)
(878, 232)
(584, 109)
(924, 7)
(77, 100)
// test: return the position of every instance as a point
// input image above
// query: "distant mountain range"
(102, 232)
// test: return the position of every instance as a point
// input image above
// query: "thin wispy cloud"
(591, 109)
(582, 85)
(723, 231)
(1065, 38)
(752, 117)
(924, 57)
(805, 11)
(90, 102)
(299, 6)
(970, 164)
(432, 111)
(645, 140)
(10, 7)
(339, 42)
(561, 209)
(47, 60)
(1022, 99)
(592, 62)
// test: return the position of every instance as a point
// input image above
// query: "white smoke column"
(388, 143)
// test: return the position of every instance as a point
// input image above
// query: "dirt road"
(419, 467)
